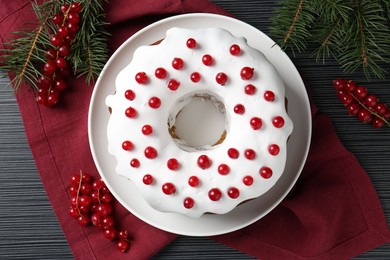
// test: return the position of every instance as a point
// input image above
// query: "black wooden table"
(30, 230)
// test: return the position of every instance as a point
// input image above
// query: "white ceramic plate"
(209, 224)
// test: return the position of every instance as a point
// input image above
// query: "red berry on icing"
(233, 193)
(233, 153)
(204, 162)
(247, 73)
(147, 129)
(177, 63)
(127, 146)
(129, 94)
(173, 84)
(269, 96)
(235, 50)
(223, 169)
(193, 181)
(191, 43)
(154, 102)
(195, 77)
(207, 60)
(173, 164)
(265, 172)
(131, 112)
(221, 78)
(256, 123)
(141, 77)
(147, 179)
(150, 152)
(239, 109)
(278, 121)
(168, 188)
(215, 194)
(160, 73)
(188, 203)
(250, 154)
(134, 163)
(248, 180)
(273, 149)
(250, 89)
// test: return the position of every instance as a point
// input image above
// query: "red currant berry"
(361, 92)
(371, 101)
(160, 73)
(134, 163)
(85, 178)
(64, 51)
(83, 219)
(104, 209)
(221, 78)
(235, 50)
(64, 8)
(41, 98)
(62, 73)
(76, 7)
(110, 233)
(250, 154)
(123, 246)
(154, 102)
(61, 63)
(63, 31)
(59, 84)
(168, 188)
(353, 109)
(131, 112)
(247, 73)
(49, 67)
(147, 179)
(73, 18)
(338, 84)
(44, 83)
(239, 109)
(108, 222)
(98, 184)
(173, 84)
(55, 40)
(250, 89)
(233, 193)
(147, 129)
(265, 172)
(188, 203)
(96, 219)
(273, 149)
(57, 19)
(380, 108)
(127, 145)
(129, 94)
(73, 28)
(195, 77)
(256, 123)
(141, 77)
(377, 122)
(75, 180)
(233, 153)
(191, 43)
(269, 96)
(123, 234)
(248, 180)
(223, 169)
(150, 152)
(51, 54)
(173, 164)
(193, 181)
(278, 121)
(84, 209)
(74, 212)
(204, 162)
(346, 98)
(364, 116)
(84, 200)
(215, 194)
(177, 63)
(68, 39)
(73, 190)
(86, 189)
(350, 86)
(107, 198)
(53, 98)
(207, 60)
(93, 205)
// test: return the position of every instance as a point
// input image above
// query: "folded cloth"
(333, 212)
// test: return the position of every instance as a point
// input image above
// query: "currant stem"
(78, 192)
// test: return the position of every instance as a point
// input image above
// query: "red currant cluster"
(362, 104)
(55, 69)
(91, 202)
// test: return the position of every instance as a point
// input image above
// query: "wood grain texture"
(30, 230)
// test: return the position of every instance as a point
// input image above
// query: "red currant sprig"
(55, 70)
(360, 103)
(92, 202)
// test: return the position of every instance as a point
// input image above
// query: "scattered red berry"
(207, 60)
(235, 50)
(191, 43)
(221, 78)
(215, 194)
(204, 162)
(247, 73)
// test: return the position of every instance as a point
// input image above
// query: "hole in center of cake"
(198, 122)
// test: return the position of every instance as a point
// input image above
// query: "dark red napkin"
(333, 213)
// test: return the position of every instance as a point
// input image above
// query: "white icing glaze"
(240, 134)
